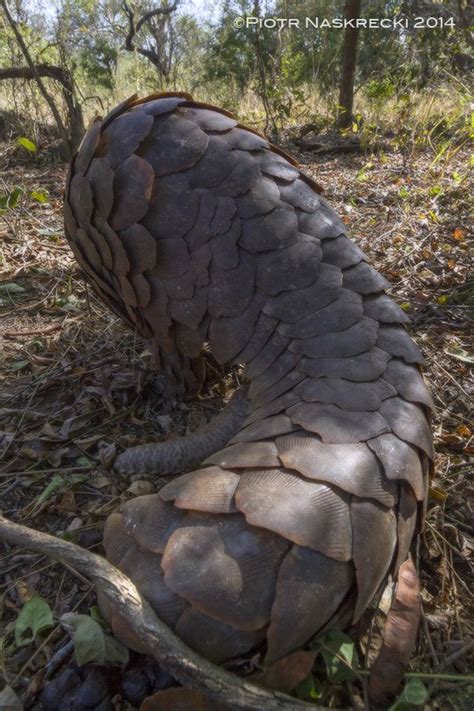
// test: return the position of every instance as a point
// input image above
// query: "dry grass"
(75, 386)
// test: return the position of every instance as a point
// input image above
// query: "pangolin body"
(196, 230)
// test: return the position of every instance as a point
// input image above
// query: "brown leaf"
(399, 637)
(286, 673)
(181, 699)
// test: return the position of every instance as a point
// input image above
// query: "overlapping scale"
(173, 209)
(270, 392)
(209, 120)
(279, 404)
(88, 147)
(351, 467)
(150, 521)
(396, 341)
(122, 136)
(353, 340)
(215, 165)
(305, 512)
(140, 246)
(101, 179)
(335, 425)
(302, 605)
(368, 365)
(264, 328)
(409, 383)
(174, 144)
(345, 393)
(262, 198)
(117, 538)
(299, 194)
(342, 313)
(144, 568)
(341, 252)
(211, 490)
(382, 308)
(225, 568)
(246, 454)
(364, 279)
(323, 224)
(266, 232)
(409, 423)
(289, 268)
(269, 427)
(133, 182)
(290, 306)
(400, 460)
(232, 290)
(406, 523)
(268, 355)
(374, 530)
(227, 335)
(277, 167)
(243, 140)
(241, 178)
(215, 640)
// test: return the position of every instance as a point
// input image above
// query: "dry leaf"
(286, 673)
(181, 699)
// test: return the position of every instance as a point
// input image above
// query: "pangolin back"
(194, 229)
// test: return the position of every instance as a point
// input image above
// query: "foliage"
(36, 616)
(91, 643)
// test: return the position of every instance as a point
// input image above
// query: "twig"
(175, 657)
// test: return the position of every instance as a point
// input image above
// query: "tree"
(349, 60)
(72, 133)
(157, 46)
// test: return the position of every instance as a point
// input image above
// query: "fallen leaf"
(181, 699)
(287, 673)
(399, 636)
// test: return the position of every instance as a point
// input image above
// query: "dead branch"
(48, 98)
(49, 71)
(176, 657)
(135, 27)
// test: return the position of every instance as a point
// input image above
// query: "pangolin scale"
(195, 230)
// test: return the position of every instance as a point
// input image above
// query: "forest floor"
(76, 387)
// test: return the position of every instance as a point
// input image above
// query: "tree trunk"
(349, 59)
(75, 117)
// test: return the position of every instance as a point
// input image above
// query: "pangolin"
(196, 230)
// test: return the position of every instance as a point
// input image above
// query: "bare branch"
(175, 656)
(48, 98)
(134, 28)
(42, 70)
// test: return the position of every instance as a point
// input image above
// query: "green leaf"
(96, 615)
(460, 354)
(309, 688)
(414, 694)
(35, 615)
(40, 196)
(339, 654)
(9, 200)
(57, 482)
(115, 652)
(11, 289)
(26, 143)
(47, 232)
(88, 637)
(19, 365)
(91, 644)
(9, 701)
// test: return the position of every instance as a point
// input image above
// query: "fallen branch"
(176, 657)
